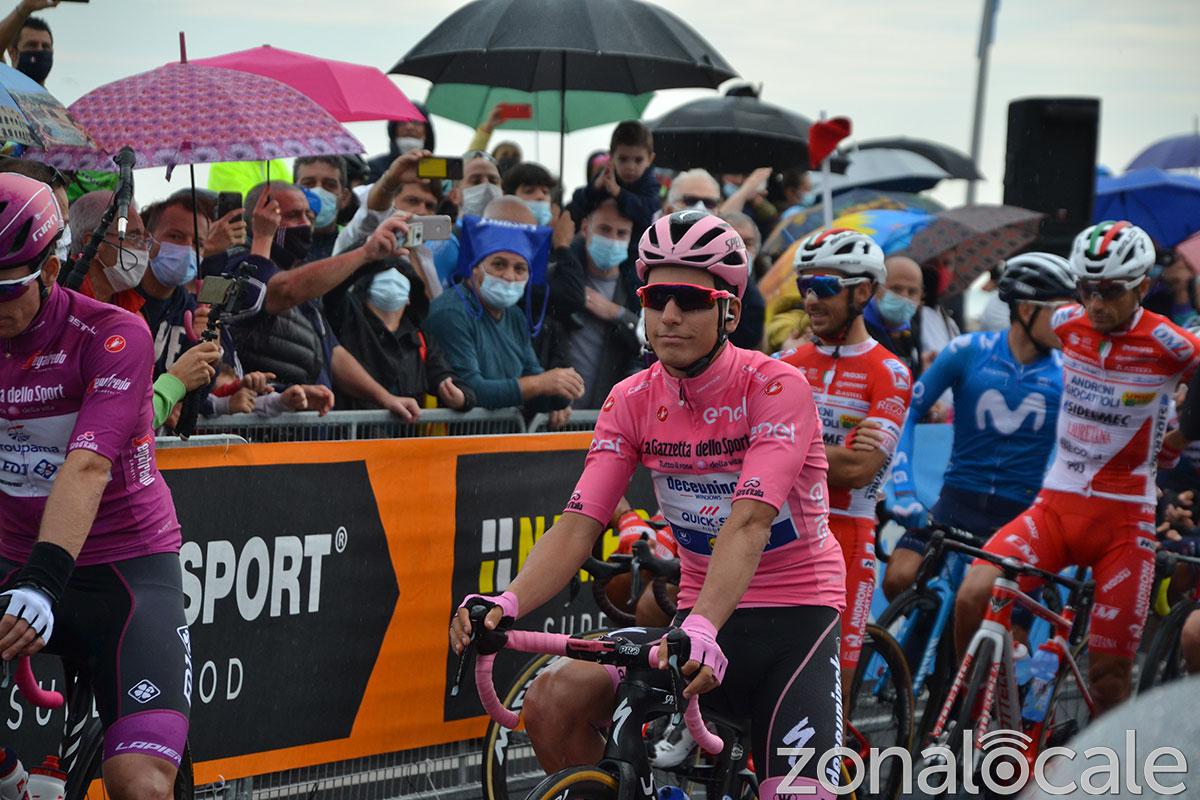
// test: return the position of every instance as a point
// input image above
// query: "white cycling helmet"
(843, 250)
(1112, 251)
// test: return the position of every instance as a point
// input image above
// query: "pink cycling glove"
(507, 602)
(705, 650)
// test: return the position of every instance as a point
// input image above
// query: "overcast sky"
(896, 67)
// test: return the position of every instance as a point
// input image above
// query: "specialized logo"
(1005, 420)
(774, 388)
(114, 344)
(144, 691)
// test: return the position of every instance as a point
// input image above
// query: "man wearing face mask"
(485, 336)
(290, 337)
(403, 137)
(27, 39)
(117, 268)
(891, 316)
(604, 348)
(369, 315)
(694, 189)
(325, 178)
(169, 308)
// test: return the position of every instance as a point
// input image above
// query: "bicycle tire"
(1162, 664)
(895, 699)
(933, 692)
(969, 697)
(576, 783)
(1068, 713)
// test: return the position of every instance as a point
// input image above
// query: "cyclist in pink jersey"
(89, 541)
(733, 444)
(1121, 365)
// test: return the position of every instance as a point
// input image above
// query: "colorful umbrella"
(971, 239)
(31, 116)
(349, 92)
(471, 103)
(1175, 152)
(794, 226)
(1164, 205)
(191, 114)
(892, 229)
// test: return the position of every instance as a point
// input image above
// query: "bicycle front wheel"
(1164, 657)
(576, 783)
(509, 765)
(881, 712)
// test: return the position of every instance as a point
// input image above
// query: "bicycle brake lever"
(462, 668)
(573, 589)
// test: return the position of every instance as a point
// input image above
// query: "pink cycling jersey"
(1116, 401)
(746, 427)
(80, 378)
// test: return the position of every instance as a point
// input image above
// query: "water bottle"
(671, 793)
(47, 782)
(13, 777)
(1043, 670)
(1022, 663)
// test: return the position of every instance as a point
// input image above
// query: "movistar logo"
(1009, 420)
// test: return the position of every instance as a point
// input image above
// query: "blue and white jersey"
(1004, 417)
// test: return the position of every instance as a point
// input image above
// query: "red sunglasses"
(687, 296)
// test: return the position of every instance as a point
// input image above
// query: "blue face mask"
(810, 198)
(541, 211)
(328, 211)
(896, 309)
(607, 254)
(728, 189)
(500, 294)
(389, 291)
(174, 265)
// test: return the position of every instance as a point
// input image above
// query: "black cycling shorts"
(121, 625)
(784, 681)
(973, 512)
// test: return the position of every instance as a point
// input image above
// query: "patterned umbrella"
(191, 114)
(795, 226)
(32, 116)
(971, 239)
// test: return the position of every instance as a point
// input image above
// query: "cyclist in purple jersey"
(89, 540)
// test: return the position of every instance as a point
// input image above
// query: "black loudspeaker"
(1050, 164)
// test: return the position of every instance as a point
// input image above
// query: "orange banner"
(309, 645)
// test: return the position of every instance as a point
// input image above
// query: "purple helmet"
(30, 220)
(695, 239)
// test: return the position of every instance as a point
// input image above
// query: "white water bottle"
(47, 782)
(13, 777)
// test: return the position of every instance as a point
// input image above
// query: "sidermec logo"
(281, 576)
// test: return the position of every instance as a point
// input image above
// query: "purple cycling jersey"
(80, 378)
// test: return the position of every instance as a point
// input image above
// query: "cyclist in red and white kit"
(862, 393)
(733, 444)
(1121, 365)
(89, 541)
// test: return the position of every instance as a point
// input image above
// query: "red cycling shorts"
(856, 536)
(1114, 537)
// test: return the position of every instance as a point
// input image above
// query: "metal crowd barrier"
(307, 426)
(580, 421)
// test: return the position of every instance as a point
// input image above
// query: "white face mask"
(476, 198)
(63, 248)
(128, 271)
(406, 143)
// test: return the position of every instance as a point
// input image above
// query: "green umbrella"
(471, 103)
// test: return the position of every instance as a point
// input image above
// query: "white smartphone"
(434, 228)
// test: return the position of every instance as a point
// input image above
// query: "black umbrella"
(957, 163)
(730, 134)
(537, 45)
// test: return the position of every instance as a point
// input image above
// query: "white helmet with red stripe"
(842, 250)
(695, 239)
(1112, 251)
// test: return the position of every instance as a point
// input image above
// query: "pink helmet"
(695, 239)
(30, 219)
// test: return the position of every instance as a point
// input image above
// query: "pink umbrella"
(350, 92)
(191, 114)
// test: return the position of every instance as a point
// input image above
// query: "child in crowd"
(628, 178)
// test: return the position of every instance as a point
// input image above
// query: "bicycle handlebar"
(33, 692)
(664, 570)
(603, 651)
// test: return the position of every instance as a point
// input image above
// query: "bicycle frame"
(1000, 686)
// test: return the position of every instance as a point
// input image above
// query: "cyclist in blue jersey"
(1006, 394)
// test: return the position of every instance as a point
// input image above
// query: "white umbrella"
(885, 170)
